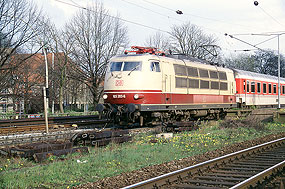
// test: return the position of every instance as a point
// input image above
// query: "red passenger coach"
(149, 88)
(258, 89)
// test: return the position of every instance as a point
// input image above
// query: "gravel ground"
(133, 177)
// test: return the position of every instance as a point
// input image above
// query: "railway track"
(252, 167)
(38, 124)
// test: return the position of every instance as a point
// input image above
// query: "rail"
(171, 177)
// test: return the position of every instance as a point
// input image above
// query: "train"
(149, 87)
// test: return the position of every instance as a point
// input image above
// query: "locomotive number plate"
(119, 83)
(119, 96)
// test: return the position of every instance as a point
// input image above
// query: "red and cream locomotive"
(148, 88)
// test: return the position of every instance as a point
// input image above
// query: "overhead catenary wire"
(169, 16)
(132, 22)
(265, 12)
(197, 16)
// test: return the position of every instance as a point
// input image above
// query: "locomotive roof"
(257, 76)
(176, 57)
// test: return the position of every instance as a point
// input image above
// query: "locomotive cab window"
(264, 88)
(154, 67)
(116, 66)
(283, 89)
(132, 66)
(247, 86)
(253, 87)
(258, 87)
(269, 88)
(243, 85)
(274, 89)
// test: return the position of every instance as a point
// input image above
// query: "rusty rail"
(194, 175)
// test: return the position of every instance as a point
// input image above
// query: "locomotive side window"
(116, 66)
(154, 67)
(247, 86)
(222, 75)
(214, 85)
(269, 88)
(214, 75)
(204, 84)
(181, 82)
(193, 83)
(193, 72)
(274, 89)
(258, 87)
(253, 87)
(132, 66)
(223, 86)
(204, 73)
(180, 70)
(264, 88)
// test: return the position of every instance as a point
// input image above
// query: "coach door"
(166, 83)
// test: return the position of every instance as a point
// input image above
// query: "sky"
(240, 18)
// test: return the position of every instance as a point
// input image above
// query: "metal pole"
(46, 65)
(52, 62)
(279, 89)
(45, 109)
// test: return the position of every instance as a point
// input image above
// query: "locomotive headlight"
(138, 96)
(105, 96)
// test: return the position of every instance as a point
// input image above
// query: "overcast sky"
(215, 17)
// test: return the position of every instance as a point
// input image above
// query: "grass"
(115, 159)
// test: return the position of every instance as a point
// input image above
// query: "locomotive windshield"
(116, 66)
(125, 66)
(129, 66)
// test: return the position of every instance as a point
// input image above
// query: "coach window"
(252, 87)
(203, 73)
(180, 70)
(243, 85)
(274, 89)
(258, 87)
(204, 84)
(223, 86)
(222, 75)
(283, 89)
(214, 85)
(264, 88)
(192, 72)
(181, 82)
(154, 67)
(214, 75)
(247, 86)
(269, 88)
(193, 83)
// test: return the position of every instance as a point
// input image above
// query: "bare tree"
(98, 37)
(190, 40)
(20, 23)
(158, 40)
(60, 43)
